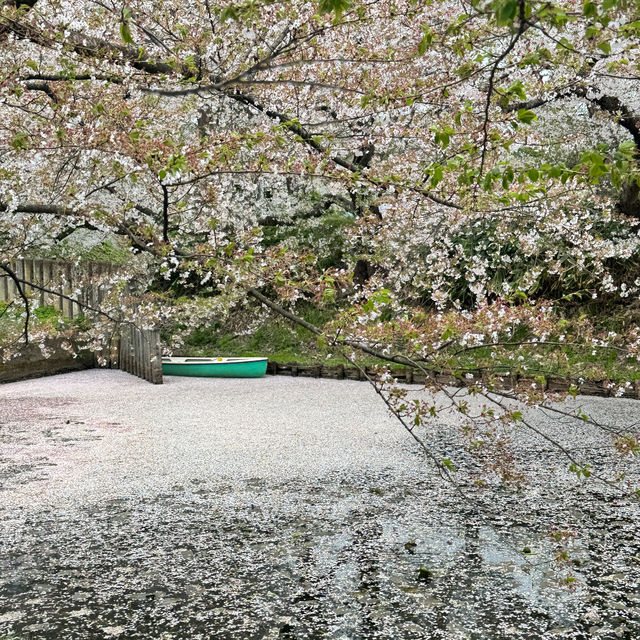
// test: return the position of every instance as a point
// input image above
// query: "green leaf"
(177, 162)
(20, 141)
(229, 13)
(423, 45)
(526, 116)
(427, 40)
(506, 11)
(32, 64)
(125, 33)
(449, 464)
(334, 6)
(563, 43)
(605, 46)
(516, 88)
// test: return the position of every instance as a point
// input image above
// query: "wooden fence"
(140, 353)
(66, 282)
(69, 286)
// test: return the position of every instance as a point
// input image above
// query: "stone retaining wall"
(32, 364)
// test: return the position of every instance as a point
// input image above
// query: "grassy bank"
(276, 338)
(282, 341)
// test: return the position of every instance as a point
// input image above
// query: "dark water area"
(342, 558)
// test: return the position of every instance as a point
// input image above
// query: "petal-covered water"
(120, 519)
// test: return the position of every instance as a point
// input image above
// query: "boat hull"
(212, 368)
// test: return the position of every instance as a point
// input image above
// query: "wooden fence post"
(146, 355)
(6, 281)
(157, 358)
(140, 353)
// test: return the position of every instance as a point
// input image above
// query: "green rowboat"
(215, 367)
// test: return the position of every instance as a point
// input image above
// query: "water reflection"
(334, 561)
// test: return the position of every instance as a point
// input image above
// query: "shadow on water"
(330, 561)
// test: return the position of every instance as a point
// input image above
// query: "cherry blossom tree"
(482, 157)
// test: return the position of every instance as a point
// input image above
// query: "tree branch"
(93, 47)
(21, 292)
(485, 127)
(611, 104)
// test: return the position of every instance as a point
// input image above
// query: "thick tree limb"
(355, 344)
(60, 211)
(611, 104)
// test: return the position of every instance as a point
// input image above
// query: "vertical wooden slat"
(19, 271)
(141, 367)
(93, 292)
(149, 355)
(99, 293)
(40, 278)
(96, 285)
(136, 351)
(67, 304)
(4, 287)
(124, 349)
(144, 355)
(87, 284)
(76, 279)
(56, 286)
(111, 353)
(13, 290)
(156, 359)
(47, 279)
(27, 274)
(11, 286)
(106, 350)
(129, 350)
(132, 347)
